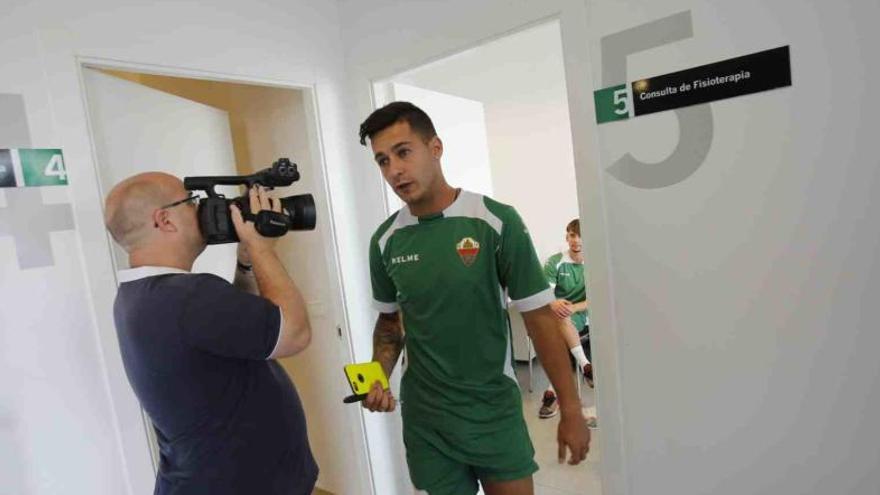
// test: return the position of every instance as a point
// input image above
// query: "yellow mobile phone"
(361, 377)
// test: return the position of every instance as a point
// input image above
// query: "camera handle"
(269, 223)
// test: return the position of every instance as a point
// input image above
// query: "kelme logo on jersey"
(468, 249)
(409, 258)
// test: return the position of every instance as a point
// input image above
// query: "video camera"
(215, 219)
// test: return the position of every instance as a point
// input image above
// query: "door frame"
(612, 466)
(103, 288)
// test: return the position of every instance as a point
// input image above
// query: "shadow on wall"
(14, 130)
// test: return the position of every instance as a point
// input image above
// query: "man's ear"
(436, 146)
(162, 221)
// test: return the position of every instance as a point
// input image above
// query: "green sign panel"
(32, 168)
(42, 167)
(611, 104)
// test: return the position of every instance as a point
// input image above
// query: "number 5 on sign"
(43, 167)
(612, 104)
(622, 99)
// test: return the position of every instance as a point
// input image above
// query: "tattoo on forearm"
(388, 341)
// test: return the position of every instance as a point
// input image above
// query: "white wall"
(65, 398)
(520, 80)
(744, 293)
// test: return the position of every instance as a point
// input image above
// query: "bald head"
(129, 208)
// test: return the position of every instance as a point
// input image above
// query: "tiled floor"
(555, 478)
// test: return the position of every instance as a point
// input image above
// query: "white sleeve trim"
(280, 329)
(535, 301)
(384, 307)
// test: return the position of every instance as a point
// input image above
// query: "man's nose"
(395, 167)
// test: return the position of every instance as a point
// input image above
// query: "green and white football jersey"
(450, 275)
(566, 277)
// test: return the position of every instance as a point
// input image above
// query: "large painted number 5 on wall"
(695, 123)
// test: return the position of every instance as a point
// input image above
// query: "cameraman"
(199, 352)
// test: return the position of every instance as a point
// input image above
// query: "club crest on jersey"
(468, 249)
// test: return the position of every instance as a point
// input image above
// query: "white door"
(275, 123)
(138, 129)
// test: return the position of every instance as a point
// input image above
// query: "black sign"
(738, 76)
(7, 173)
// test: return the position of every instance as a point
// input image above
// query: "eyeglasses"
(191, 199)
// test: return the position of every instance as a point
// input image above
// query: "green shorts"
(450, 463)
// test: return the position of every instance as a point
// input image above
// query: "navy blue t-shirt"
(228, 420)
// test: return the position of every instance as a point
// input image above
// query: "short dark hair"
(574, 226)
(394, 112)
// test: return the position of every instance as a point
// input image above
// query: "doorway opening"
(194, 127)
(502, 111)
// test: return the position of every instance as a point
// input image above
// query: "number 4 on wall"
(55, 168)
